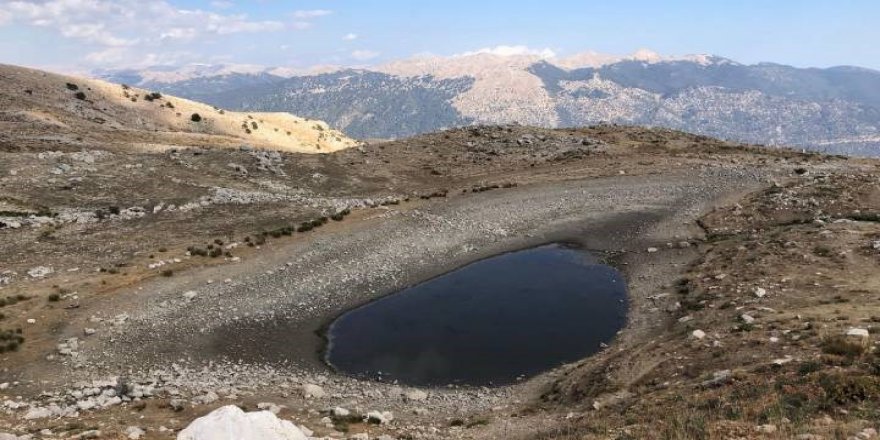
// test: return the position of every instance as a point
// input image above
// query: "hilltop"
(40, 108)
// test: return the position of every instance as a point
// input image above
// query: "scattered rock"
(698, 334)
(379, 418)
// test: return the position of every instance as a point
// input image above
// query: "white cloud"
(124, 30)
(350, 37)
(314, 13)
(506, 51)
(364, 55)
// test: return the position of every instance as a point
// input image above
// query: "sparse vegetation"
(10, 340)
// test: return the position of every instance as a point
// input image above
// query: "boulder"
(231, 423)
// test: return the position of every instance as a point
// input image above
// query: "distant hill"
(835, 109)
(36, 105)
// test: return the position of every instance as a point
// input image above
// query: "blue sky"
(87, 34)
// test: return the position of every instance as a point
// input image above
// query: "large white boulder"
(231, 423)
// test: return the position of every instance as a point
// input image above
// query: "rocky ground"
(144, 289)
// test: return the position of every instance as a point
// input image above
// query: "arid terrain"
(151, 267)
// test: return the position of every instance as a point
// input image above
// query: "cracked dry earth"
(134, 316)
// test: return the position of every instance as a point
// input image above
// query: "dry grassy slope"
(36, 104)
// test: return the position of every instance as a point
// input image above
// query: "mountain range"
(833, 109)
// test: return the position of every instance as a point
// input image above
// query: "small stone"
(134, 433)
(766, 429)
(652, 250)
(379, 418)
(698, 334)
(268, 406)
(858, 333)
(746, 318)
(38, 413)
(340, 412)
(760, 292)
(190, 295)
(415, 395)
(312, 390)
(867, 434)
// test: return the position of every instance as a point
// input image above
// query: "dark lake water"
(488, 323)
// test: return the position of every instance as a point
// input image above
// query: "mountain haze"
(835, 109)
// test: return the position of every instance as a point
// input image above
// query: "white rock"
(209, 397)
(231, 423)
(858, 332)
(760, 292)
(652, 250)
(698, 334)
(340, 412)
(190, 295)
(381, 418)
(866, 434)
(39, 271)
(38, 413)
(746, 318)
(268, 406)
(134, 433)
(312, 390)
(415, 395)
(766, 429)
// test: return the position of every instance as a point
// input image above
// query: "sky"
(83, 35)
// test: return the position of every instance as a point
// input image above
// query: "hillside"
(73, 113)
(148, 278)
(835, 109)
